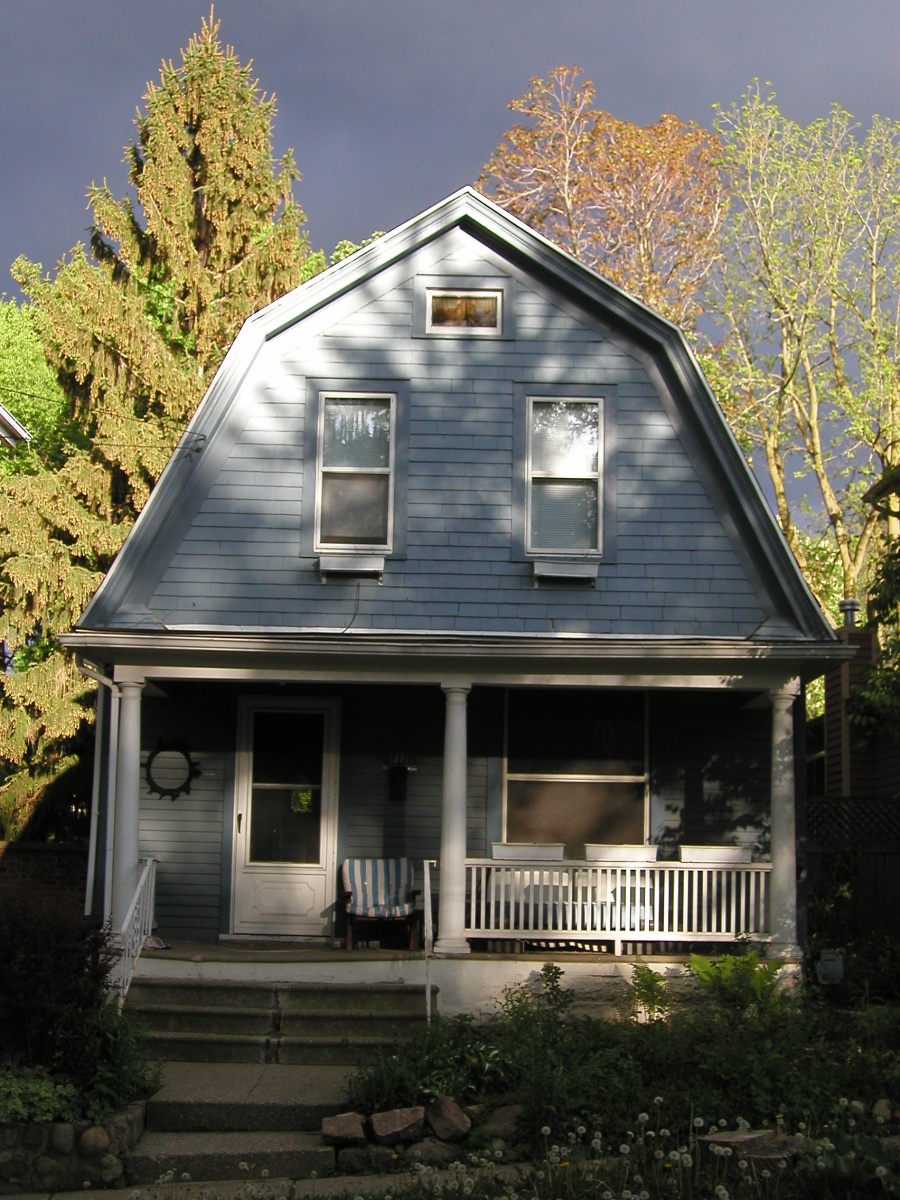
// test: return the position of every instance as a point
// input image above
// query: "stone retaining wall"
(60, 1156)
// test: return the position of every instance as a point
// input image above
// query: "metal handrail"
(136, 928)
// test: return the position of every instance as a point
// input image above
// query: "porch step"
(223, 1097)
(318, 1024)
(216, 1121)
(215, 1156)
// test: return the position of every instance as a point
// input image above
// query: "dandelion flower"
(643, 1118)
(545, 1131)
(664, 1133)
(581, 1131)
(657, 1100)
(843, 1102)
(624, 1148)
(658, 1154)
(881, 1172)
(686, 1160)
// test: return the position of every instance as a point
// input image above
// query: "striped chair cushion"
(379, 887)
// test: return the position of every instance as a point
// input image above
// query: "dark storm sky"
(389, 105)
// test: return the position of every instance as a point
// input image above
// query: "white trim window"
(355, 477)
(472, 312)
(565, 457)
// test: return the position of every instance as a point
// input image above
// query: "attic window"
(476, 312)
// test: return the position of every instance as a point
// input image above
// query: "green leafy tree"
(135, 327)
(642, 205)
(29, 390)
(806, 298)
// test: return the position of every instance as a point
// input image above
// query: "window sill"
(550, 571)
(351, 564)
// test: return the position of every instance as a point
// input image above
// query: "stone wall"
(68, 1157)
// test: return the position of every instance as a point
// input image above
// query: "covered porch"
(633, 872)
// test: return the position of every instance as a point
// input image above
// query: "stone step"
(213, 1156)
(190, 1046)
(264, 1022)
(294, 997)
(221, 1097)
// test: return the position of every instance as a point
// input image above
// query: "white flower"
(596, 1144)
(624, 1148)
(643, 1118)
(581, 1131)
(686, 1160)
(657, 1100)
(674, 1155)
(658, 1154)
(698, 1122)
(881, 1172)
(664, 1133)
(545, 1131)
(743, 1164)
(722, 1122)
(843, 1102)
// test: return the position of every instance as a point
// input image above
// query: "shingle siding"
(676, 569)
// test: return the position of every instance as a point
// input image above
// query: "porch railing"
(136, 928)
(579, 901)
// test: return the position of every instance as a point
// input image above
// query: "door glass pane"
(574, 813)
(565, 437)
(567, 732)
(285, 824)
(354, 510)
(286, 797)
(357, 433)
(563, 515)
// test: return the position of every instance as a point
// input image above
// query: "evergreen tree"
(135, 326)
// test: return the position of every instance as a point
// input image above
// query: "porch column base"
(451, 947)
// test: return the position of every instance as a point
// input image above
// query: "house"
(11, 431)
(457, 560)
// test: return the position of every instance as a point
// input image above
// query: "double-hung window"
(564, 485)
(356, 471)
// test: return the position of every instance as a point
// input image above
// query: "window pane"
(574, 813)
(357, 433)
(472, 311)
(284, 824)
(355, 510)
(288, 747)
(563, 515)
(565, 732)
(565, 437)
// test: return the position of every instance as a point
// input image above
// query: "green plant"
(29, 1094)
(650, 1000)
(739, 983)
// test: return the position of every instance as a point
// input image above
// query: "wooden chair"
(380, 889)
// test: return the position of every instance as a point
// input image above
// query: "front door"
(285, 818)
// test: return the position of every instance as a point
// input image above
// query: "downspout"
(93, 673)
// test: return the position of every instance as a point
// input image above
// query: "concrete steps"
(314, 1024)
(215, 1121)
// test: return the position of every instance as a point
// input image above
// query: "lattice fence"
(836, 821)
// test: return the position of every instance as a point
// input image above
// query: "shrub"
(29, 1094)
(59, 1027)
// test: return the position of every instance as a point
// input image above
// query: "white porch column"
(452, 904)
(127, 795)
(783, 825)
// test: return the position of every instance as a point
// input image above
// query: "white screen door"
(285, 818)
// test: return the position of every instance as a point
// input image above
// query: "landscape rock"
(51, 1173)
(360, 1160)
(33, 1137)
(503, 1123)
(345, 1129)
(94, 1141)
(62, 1138)
(431, 1152)
(398, 1125)
(447, 1119)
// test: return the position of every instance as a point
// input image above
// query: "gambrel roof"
(221, 554)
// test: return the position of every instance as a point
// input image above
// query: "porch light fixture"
(170, 770)
(398, 768)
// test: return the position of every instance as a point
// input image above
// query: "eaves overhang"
(437, 657)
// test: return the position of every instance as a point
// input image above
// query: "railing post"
(452, 903)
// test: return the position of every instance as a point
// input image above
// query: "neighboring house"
(458, 551)
(11, 432)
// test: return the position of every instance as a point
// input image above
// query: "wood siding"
(676, 569)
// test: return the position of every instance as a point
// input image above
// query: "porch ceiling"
(510, 659)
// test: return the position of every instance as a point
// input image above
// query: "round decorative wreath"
(170, 769)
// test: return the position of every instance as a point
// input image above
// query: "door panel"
(286, 818)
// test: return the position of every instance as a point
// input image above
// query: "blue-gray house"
(457, 560)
